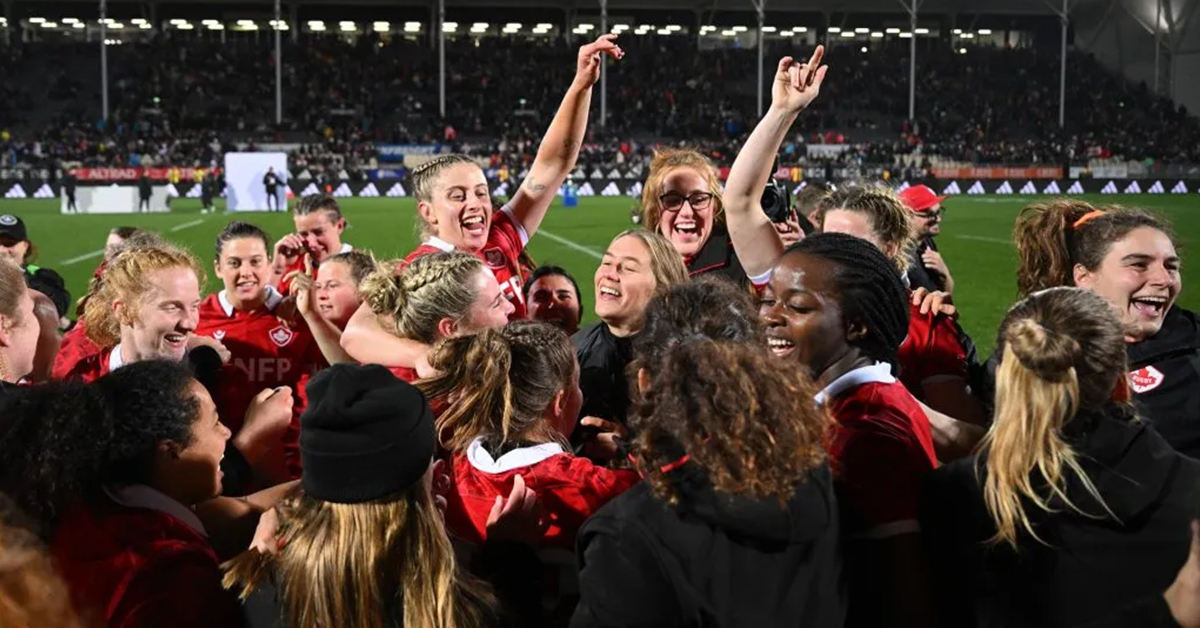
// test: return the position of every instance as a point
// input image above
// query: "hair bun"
(382, 290)
(1046, 352)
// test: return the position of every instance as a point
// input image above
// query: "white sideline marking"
(80, 258)
(590, 252)
(94, 254)
(187, 225)
(984, 239)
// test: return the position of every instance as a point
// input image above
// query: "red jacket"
(931, 352)
(571, 489)
(74, 348)
(141, 567)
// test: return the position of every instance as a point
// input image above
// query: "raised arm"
(754, 238)
(560, 146)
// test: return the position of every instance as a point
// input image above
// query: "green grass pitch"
(975, 240)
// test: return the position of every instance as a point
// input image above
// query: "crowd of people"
(991, 105)
(777, 419)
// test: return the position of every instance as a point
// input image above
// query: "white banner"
(244, 189)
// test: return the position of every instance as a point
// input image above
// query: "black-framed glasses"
(673, 202)
(930, 214)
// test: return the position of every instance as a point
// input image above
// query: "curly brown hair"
(715, 393)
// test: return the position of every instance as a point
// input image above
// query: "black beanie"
(365, 435)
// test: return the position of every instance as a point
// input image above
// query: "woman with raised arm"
(936, 358)
(455, 210)
(1072, 507)
(1128, 257)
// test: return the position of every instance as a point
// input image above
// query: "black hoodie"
(1094, 565)
(1165, 369)
(714, 560)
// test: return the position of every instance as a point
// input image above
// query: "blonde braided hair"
(423, 178)
(429, 289)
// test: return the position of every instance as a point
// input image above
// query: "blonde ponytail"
(1062, 352)
(431, 288)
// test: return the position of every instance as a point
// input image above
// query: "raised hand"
(587, 69)
(288, 248)
(300, 286)
(519, 518)
(797, 84)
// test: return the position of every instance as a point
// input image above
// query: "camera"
(777, 201)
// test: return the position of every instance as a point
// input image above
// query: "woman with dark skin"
(836, 305)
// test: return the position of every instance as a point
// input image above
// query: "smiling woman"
(1128, 257)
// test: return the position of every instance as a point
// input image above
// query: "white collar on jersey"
(880, 372)
(142, 496)
(115, 361)
(346, 248)
(273, 299)
(479, 457)
(439, 244)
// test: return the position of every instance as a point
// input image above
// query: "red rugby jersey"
(880, 449)
(930, 352)
(74, 348)
(266, 353)
(142, 563)
(92, 366)
(285, 285)
(571, 489)
(506, 239)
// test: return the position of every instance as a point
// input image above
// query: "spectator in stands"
(1073, 507)
(733, 497)
(19, 328)
(836, 305)
(928, 270)
(682, 201)
(513, 399)
(119, 464)
(637, 265)
(1129, 258)
(435, 297)
(552, 295)
(16, 246)
(271, 184)
(319, 225)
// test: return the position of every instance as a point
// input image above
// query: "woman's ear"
(855, 331)
(425, 209)
(168, 450)
(447, 328)
(1083, 277)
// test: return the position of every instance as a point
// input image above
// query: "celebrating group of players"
(765, 428)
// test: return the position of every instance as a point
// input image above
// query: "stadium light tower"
(1065, 17)
(760, 8)
(278, 67)
(104, 60)
(441, 35)
(912, 8)
(603, 67)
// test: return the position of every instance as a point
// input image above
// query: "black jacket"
(1172, 402)
(144, 187)
(718, 258)
(918, 275)
(1094, 565)
(50, 284)
(602, 361)
(713, 561)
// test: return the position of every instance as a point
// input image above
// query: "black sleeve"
(620, 582)
(1148, 612)
(52, 285)
(950, 536)
(515, 573)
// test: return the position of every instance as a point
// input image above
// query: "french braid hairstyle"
(431, 288)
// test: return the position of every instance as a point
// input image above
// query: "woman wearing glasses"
(682, 202)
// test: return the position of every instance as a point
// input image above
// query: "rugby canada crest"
(1145, 379)
(281, 336)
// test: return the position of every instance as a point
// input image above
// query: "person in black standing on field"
(68, 187)
(207, 187)
(1072, 507)
(928, 270)
(271, 182)
(144, 189)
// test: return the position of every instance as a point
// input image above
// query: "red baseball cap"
(920, 198)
